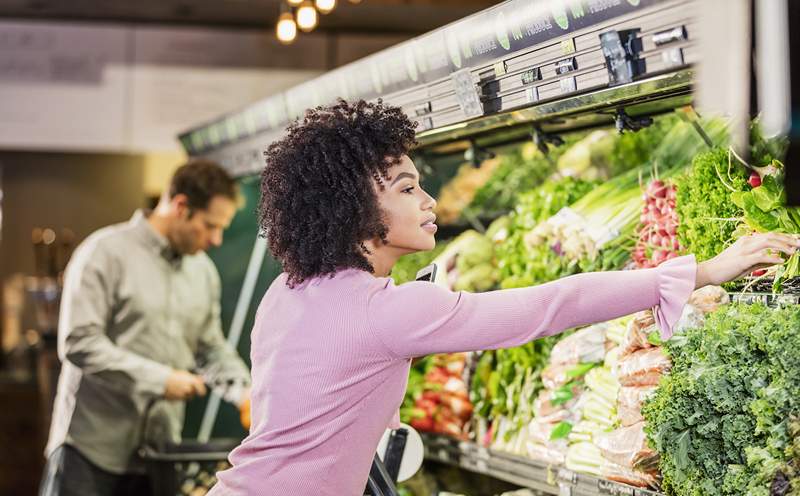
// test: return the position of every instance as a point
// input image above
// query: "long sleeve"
(86, 307)
(220, 362)
(420, 318)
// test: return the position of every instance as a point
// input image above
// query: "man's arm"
(222, 366)
(86, 303)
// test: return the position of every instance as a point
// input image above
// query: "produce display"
(725, 420)
(440, 397)
(714, 410)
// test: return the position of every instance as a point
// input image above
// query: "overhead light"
(325, 6)
(307, 17)
(294, 3)
(286, 29)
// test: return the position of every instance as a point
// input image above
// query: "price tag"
(568, 85)
(568, 46)
(467, 93)
(612, 488)
(567, 477)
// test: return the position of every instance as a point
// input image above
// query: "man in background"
(140, 314)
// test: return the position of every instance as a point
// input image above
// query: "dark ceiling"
(369, 16)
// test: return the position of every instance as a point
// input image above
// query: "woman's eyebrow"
(402, 175)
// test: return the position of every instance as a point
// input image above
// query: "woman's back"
(322, 381)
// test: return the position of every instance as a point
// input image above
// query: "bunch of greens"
(519, 265)
(764, 210)
(708, 217)
(722, 419)
(506, 381)
(520, 170)
(635, 148)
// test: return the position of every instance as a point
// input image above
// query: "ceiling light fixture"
(325, 6)
(307, 17)
(286, 29)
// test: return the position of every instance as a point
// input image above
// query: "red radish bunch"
(444, 405)
(658, 229)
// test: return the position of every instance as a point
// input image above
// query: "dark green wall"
(232, 259)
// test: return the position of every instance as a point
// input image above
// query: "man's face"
(200, 230)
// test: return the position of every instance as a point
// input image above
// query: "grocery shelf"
(769, 299)
(522, 471)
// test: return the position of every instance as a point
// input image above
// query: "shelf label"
(609, 487)
(567, 476)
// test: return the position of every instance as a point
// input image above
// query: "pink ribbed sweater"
(331, 359)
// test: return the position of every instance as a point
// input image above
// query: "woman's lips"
(430, 227)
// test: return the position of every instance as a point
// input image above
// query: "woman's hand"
(747, 254)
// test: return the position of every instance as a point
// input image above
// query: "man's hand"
(183, 385)
(747, 254)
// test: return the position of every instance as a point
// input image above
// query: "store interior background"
(94, 94)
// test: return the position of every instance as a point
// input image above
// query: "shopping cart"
(187, 468)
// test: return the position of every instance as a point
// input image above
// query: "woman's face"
(408, 210)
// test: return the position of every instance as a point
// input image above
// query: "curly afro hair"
(318, 204)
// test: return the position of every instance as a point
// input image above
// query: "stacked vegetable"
(468, 262)
(521, 265)
(724, 419)
(722, 198)
(441, 402)
(460, 191)
(503, 387)
(596, 232)
(559, 406)
(658, 226)
(519, 170)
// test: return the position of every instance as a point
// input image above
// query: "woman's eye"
(408, 190)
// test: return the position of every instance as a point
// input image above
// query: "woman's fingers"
(773, 241)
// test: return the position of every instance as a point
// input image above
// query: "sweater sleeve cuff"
(676, 281)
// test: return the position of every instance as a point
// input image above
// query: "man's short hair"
(201, 180)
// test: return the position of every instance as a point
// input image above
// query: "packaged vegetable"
(639, 328)
(625, 475)
(643, 367)
(627, 447)
(553, 452)
(584, 346)
(629, 404)
(709, 298)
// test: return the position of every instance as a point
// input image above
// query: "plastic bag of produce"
(627, 447)
(554, 452)
(643, 368)
(629, 404)
(550, 402)
(709, 298)
(585, 346)
(596, 408)
(602, 381)
(639, 328)
(539, 431)
(585, 431)
(691, 318)
(585, 458)
(616, 473)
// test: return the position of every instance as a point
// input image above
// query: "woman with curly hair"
(334, 336)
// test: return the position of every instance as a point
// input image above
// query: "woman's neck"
(382, 258)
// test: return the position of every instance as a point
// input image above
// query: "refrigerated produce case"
(519, 74)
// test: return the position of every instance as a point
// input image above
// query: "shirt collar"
(153, 238)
